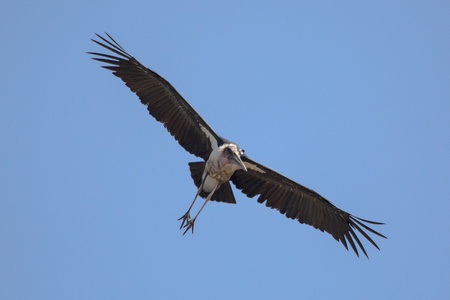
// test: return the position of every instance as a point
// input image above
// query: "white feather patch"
(253, 167)
(210, 137)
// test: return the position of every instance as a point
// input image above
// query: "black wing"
(161, 98)
(301, 203)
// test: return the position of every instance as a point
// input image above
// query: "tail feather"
(223, 194)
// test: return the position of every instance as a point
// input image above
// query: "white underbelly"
(210, 184)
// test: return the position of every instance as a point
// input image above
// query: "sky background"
(348, 98)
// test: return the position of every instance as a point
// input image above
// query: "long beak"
(237, 161)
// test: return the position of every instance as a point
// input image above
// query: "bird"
(224, 161)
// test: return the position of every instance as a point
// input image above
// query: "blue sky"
(348, 98)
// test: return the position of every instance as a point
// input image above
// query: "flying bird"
(224, 161)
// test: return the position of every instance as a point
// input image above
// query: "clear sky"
(351, 99)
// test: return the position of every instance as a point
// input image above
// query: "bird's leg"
(187, 216)
(190, 223)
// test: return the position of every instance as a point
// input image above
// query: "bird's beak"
(237, 161)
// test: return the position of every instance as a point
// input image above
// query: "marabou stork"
(225, 161)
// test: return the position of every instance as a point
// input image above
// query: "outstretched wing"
(301, 203)
(163, 101)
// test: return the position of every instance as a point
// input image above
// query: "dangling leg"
(187, 216)
(190, 223)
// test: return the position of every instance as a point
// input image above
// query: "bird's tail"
(223, 194)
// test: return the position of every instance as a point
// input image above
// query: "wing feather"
(163, 101)
(301, 203)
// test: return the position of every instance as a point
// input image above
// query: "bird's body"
(219, 168)
(224, 161)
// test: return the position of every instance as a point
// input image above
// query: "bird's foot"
(189, 225)
(186, 218)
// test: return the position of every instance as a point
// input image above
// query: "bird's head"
(231, 154)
